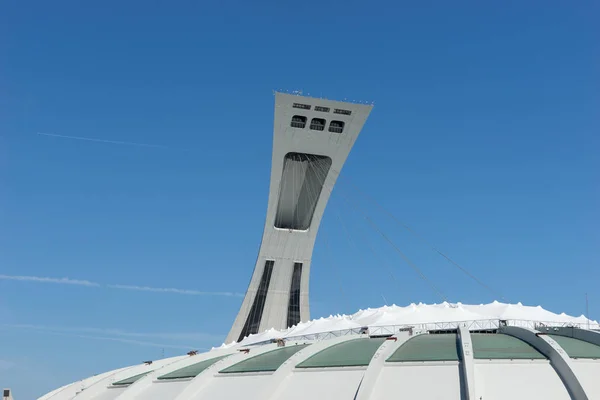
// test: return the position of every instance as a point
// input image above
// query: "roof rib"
(559, 359)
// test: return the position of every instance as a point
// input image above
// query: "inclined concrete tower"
(311, 141)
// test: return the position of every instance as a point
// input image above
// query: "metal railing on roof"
(387, 330)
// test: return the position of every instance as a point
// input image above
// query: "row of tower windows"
(317, 124)
(322, 109)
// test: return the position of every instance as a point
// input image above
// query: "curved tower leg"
(311, 141)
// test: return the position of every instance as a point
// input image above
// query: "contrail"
(191, 336)
(129, 341)
(67, 281)
(156, 146)
(113, 339)
(118, 334)
(173, 290)
(5, 364)
(42, 279)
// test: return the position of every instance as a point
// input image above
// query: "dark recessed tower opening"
(293, 315)
(317, 124)
(298, 121)
(253, 321)
(336, 126)
(300, 188)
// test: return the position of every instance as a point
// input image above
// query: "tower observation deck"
(311, 141)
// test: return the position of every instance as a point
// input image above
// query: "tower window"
(301, 184)
(293, 316)
(336, 126)
(341, 111)
(322, 109)
(317, 124)
(302, 106)
(298, 121)
(255, 316)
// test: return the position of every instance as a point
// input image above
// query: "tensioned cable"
(407, 260)
(323, 173)
(402, 254)
(331, 259)
(435, 249)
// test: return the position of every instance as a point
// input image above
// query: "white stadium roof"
(387, 319)
(440, 351)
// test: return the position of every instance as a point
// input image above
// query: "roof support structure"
(142, 384)
(575, 333)
(200, 382)
(467, 365)
(99, 387)
(91, 390)
(278, 381)
(377, 364)
(559, 359)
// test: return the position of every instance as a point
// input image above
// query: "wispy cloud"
(119, 335)
(5, 364)
(138, 342)
(119, 142)
(68, 281)
(122, 340)
(174, 290)
(191, 336)
(43, 279)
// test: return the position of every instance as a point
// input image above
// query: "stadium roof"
(387, 319)
(492, 351)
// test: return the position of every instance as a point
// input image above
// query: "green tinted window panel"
(500, 346)
(433, 347)
(266, 362)
(131, 379)
(576, 348)
(353, 353)
(191, 371)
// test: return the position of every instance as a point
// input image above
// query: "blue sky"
(484, 138)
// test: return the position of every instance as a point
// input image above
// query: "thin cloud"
(5, 364)
(121, 340)
(174, 290)
(121, 335)
(119, 142)
(68, 281)
(43, 279)
(137, 342)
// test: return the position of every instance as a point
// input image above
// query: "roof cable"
(435, 249)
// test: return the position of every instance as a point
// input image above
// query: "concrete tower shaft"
(311, 141)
